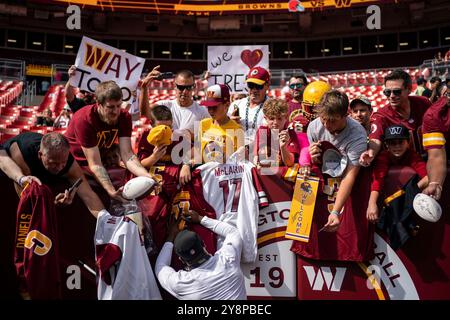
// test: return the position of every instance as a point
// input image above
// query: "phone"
(75, 185)
(165, 75)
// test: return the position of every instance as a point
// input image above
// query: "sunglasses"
(252, 85)
(396, 92)
(296, 85)
(182, 88)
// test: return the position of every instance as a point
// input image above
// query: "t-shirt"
(124, 269)
(185, 117)
(251, 120)
(219, 137)
(387, 116)
(385, 160)
(219, 278)
(236, 194)
(352, 141)
(436, 125)
(87, 130)
(29, 144)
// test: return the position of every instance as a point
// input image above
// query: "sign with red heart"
(230, 65)
(251, 58)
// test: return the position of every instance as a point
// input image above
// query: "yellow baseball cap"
(160, 135)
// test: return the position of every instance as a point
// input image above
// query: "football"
(427, 208)
(138, 188)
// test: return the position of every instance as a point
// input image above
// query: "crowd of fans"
(411, 130)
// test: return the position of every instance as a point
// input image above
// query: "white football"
(427, 208)
(138, 187)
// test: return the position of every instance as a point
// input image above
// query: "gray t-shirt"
(352, 141)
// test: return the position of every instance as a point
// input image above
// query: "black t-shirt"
(76, 104)
(426, 93)
(29, 144)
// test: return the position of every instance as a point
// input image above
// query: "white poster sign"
(97, 62)
(230, 64)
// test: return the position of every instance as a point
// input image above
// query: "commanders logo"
(343, 3)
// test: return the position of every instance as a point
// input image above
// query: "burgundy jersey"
(387, 116)
(353, 241)
(87, 130)
(436, 125)
(37, 244)
(174, 200)
(264, 148)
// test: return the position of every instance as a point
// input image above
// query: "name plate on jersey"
(302, 209)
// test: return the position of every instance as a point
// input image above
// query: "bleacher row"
(15, 119)
(9, 91)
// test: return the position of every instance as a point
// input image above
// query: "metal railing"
(431, 68)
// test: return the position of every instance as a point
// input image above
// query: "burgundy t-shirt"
(87, 130)
(436, 126)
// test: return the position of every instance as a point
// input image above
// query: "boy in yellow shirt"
(219, 135)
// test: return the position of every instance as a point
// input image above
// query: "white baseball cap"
(334, 162)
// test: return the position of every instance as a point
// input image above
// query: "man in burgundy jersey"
(402, 110)
(436, 132)
(95, 128)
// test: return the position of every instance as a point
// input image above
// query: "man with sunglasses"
(248, 111)
(402, 109)
(185, 111)
(297, 85)
(436, 132)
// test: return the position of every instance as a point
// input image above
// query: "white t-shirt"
(250, 126)
(235, 193)
(185, 117)
(219, 278)
(124, 270)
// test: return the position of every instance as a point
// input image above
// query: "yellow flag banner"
(302, 209)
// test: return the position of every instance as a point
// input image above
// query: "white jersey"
(219, 278)
(123, 268)
(235, 193)
(185, 117)
(248, 123)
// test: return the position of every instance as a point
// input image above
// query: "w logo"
(324, 275)
(395, 130)
(342, 3)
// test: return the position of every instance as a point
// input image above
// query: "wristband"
(19, 181)
(339, 214)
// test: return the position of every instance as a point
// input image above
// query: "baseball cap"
(216, 95)
(361, 99)
(334, 162)
(160, 135)
(188, 245)
(258, 75)
(396, 132)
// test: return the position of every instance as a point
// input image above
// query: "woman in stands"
(62, 121)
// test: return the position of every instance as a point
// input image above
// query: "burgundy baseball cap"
(216, 95)
(258, 75)
(334, 162)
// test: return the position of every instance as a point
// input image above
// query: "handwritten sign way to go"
(97, 62)
(230, 64)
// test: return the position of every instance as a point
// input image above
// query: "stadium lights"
(288, 52)
(68, 46)
(36, 43)
(402, 44)
(187, 53)
(12, 40)
(165, 52)
(143, 51)
(447, 38)
(325, 50)
(425, 41)
(379, 46)
(348, 48)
